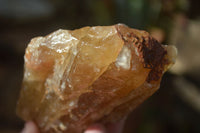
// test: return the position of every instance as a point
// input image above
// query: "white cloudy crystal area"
(124, 58)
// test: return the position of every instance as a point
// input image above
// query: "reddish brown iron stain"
(151, 52)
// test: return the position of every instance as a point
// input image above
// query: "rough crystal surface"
(93, 74)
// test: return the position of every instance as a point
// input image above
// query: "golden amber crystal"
(94, 74)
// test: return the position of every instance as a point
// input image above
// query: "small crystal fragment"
(74, 78)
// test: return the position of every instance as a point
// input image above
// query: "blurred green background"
(175, 108)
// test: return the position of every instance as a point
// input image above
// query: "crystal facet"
(93, 74)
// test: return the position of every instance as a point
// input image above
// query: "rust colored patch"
(151, 52)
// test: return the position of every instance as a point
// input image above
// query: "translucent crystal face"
(91, 74)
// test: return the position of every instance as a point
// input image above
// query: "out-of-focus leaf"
(138, 13)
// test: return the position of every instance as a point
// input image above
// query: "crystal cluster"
(74, 78)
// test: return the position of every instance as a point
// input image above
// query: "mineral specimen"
(94, 74)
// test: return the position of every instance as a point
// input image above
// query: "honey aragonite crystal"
(74, 78)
